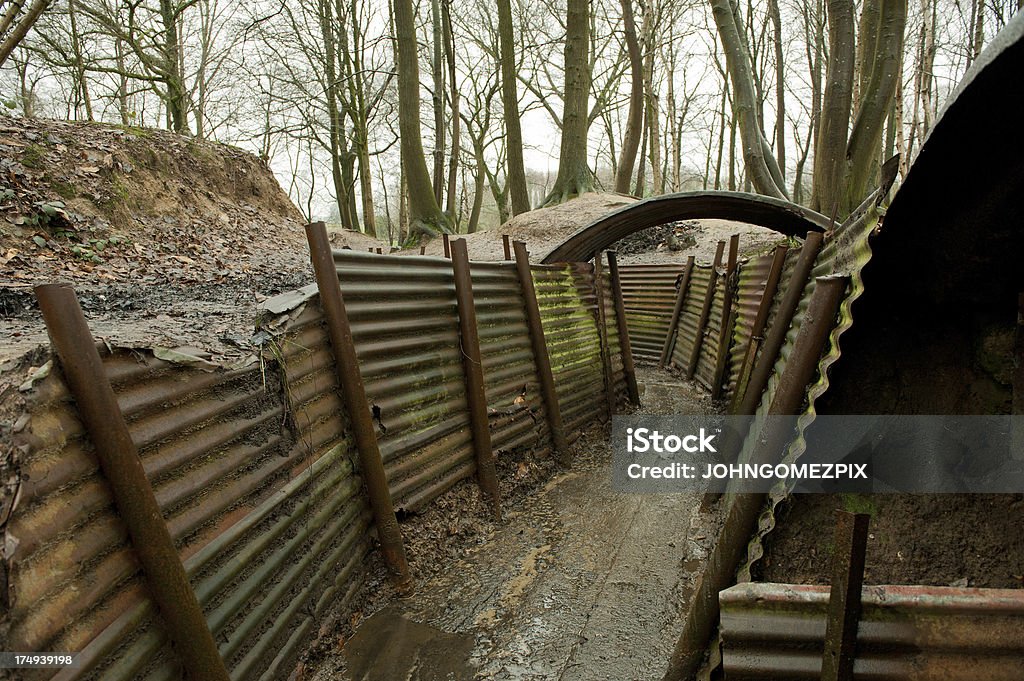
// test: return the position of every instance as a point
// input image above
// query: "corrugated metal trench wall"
(255, 471)
(650, 292)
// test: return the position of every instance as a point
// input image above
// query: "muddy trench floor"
(576, 582)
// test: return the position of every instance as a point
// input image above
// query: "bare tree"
(574, 176)
(425, 215)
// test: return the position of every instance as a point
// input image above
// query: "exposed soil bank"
(972, 540)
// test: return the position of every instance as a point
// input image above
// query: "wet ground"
(578, 582)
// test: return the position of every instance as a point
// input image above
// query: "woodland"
(404, 118)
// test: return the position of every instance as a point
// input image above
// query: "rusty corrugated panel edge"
(848, 252)
(928, 633)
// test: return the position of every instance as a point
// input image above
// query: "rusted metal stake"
(620, 321)
(602, 337)
(541, 358)
(771, 287)
(705, 313)
(844, 600)
(780, 325)
(677, 313)
(447, 246)
(1017, 403)
(476, 394)
(506, 244)
(353, 394)
(129, 485)
(725, 333)
(741, 516)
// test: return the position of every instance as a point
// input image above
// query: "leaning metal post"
(353, 394)
(540, 352)
(744, 509)
(620, 320)
(133, 495)
(476, 395)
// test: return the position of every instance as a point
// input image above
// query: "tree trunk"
(425, 215)
(761, 167)
(478, 188)
(652, 114)
(641, 167)
(76, 49)
(830, 151)
(453, 158)
(510, 102)
(177, 97)
(876, 98)
(780, 87)
(437, 65)
(631, 137)
(21, 28)
(334, 120)
(574, 176)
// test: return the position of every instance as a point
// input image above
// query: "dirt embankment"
(168, 241)
(542, 229)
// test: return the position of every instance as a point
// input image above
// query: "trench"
(578, 583)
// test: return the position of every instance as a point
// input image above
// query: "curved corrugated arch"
(782, 216)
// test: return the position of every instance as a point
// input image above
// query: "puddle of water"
(390, 647)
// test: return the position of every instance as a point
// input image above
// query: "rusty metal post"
(540, 353)
(133, 495)
(705, 312)
(780, 325)
(741, 515)
(423, 250)
(1017, 400)
(353, 394)
(602, 337)
(844, 600)
(615, 282)
(725, 333)
(677, 313)
(507, 246)
(447, 246)
(476, 394)
(771, 286)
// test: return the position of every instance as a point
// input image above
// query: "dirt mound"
(542, 229)
(545, 228)
(90, 201)
(168, 240)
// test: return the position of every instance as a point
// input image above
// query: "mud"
(936, 539)
(578, 582)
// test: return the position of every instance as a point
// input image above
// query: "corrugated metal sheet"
(568, 310)
(649, 295)
(254, 470)
(848, 251)
(751, 280)
(618, 373)
(406, 331)
(514, 401)
(225, 460)
(687, 331)
(777, 631)
(708, 357)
